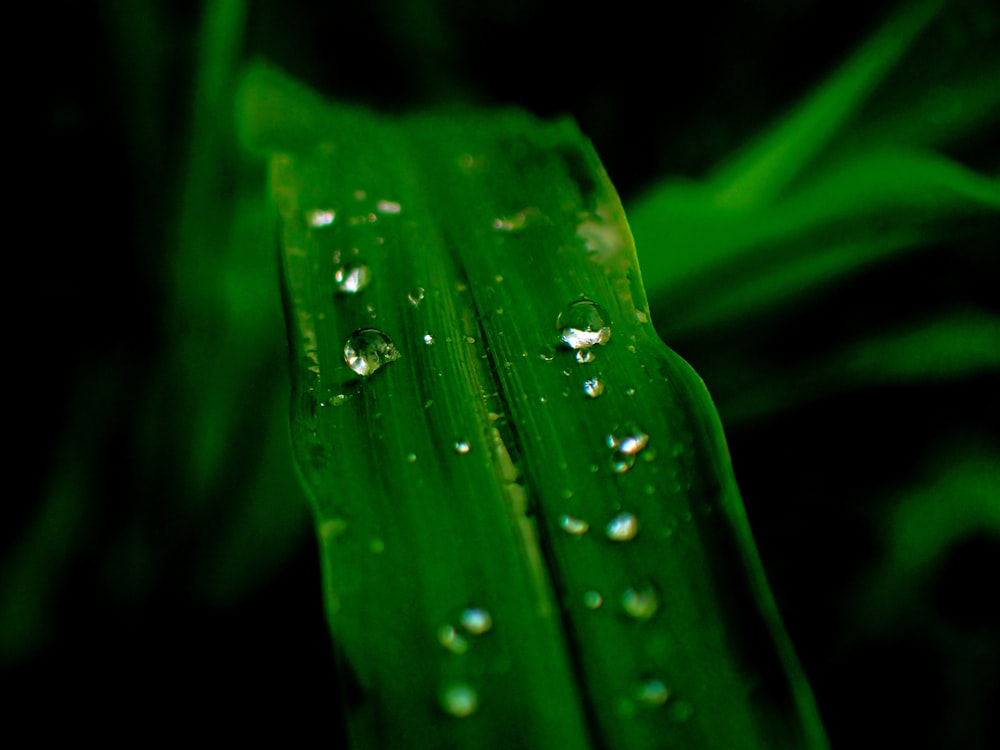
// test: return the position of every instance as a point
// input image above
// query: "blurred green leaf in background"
(813, 190)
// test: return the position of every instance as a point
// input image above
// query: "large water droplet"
(352, 278)
(640, 603)
(574, 526)
(593, 387)
(584, 323)
(622, 527)
(368, 349)
(459, 699)
(476, 620)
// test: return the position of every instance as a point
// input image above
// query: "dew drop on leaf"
(320, 217)
(574, 526)
(351, 279)
(452, 640)
(476, 620)
(459, 699)
(584, 323)
(640, 603)
(593, 387)
(368, 349)
(622, 527)
(462, 447)
(593, 600)
(584, 356)
(652, 692)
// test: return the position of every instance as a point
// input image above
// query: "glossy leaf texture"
(531, 532)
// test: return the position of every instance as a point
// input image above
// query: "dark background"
(109, 624)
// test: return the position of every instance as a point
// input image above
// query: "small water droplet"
(584, 323)
(574, 526)
(428, 339)
(583, 356)
(452, 640)
(630, 391)
(592, 600)
(377, 546)
(351, 279)
(360, 195)
(368, 349)
(514, 222)
(476, 620)
(459, 699)
(622, 527)
(640, 603)
(462, 447)
(411, 458)
(339, 399)
(320, 217)
(469, 340)
(388, 207)
(416, 296)
(627, 442)
(546, 356)
(652, 692)
(593, 387)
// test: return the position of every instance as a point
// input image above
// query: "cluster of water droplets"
(459, 698)
(626, 442)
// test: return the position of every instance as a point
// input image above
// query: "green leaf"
(509, 561)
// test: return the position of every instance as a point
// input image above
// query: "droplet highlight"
(584, 323)
(368, 349)
(320, 217)
(593, 387)
(462, 447)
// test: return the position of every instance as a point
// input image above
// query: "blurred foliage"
(813, 191)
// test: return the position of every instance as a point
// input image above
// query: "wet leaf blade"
(444, 481)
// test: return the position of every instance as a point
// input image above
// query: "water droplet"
(476, 620)
(652, 692)
(627, 442)
(360, 195)
(377, 546)
(428, 339)
(593, 387)
(416, 296)
(640, 603)
(514, 222)
(584, 323)
(388, 207)
(459, 699)
(469, 340)
(592, 600)
(622, 527)
(368, 349)
(351, 279)
(574, 526)
(452, 640)
(320, 217)
(630, 391)
(462, 447)
(411, 458)
(583, 356)
(339, 399)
